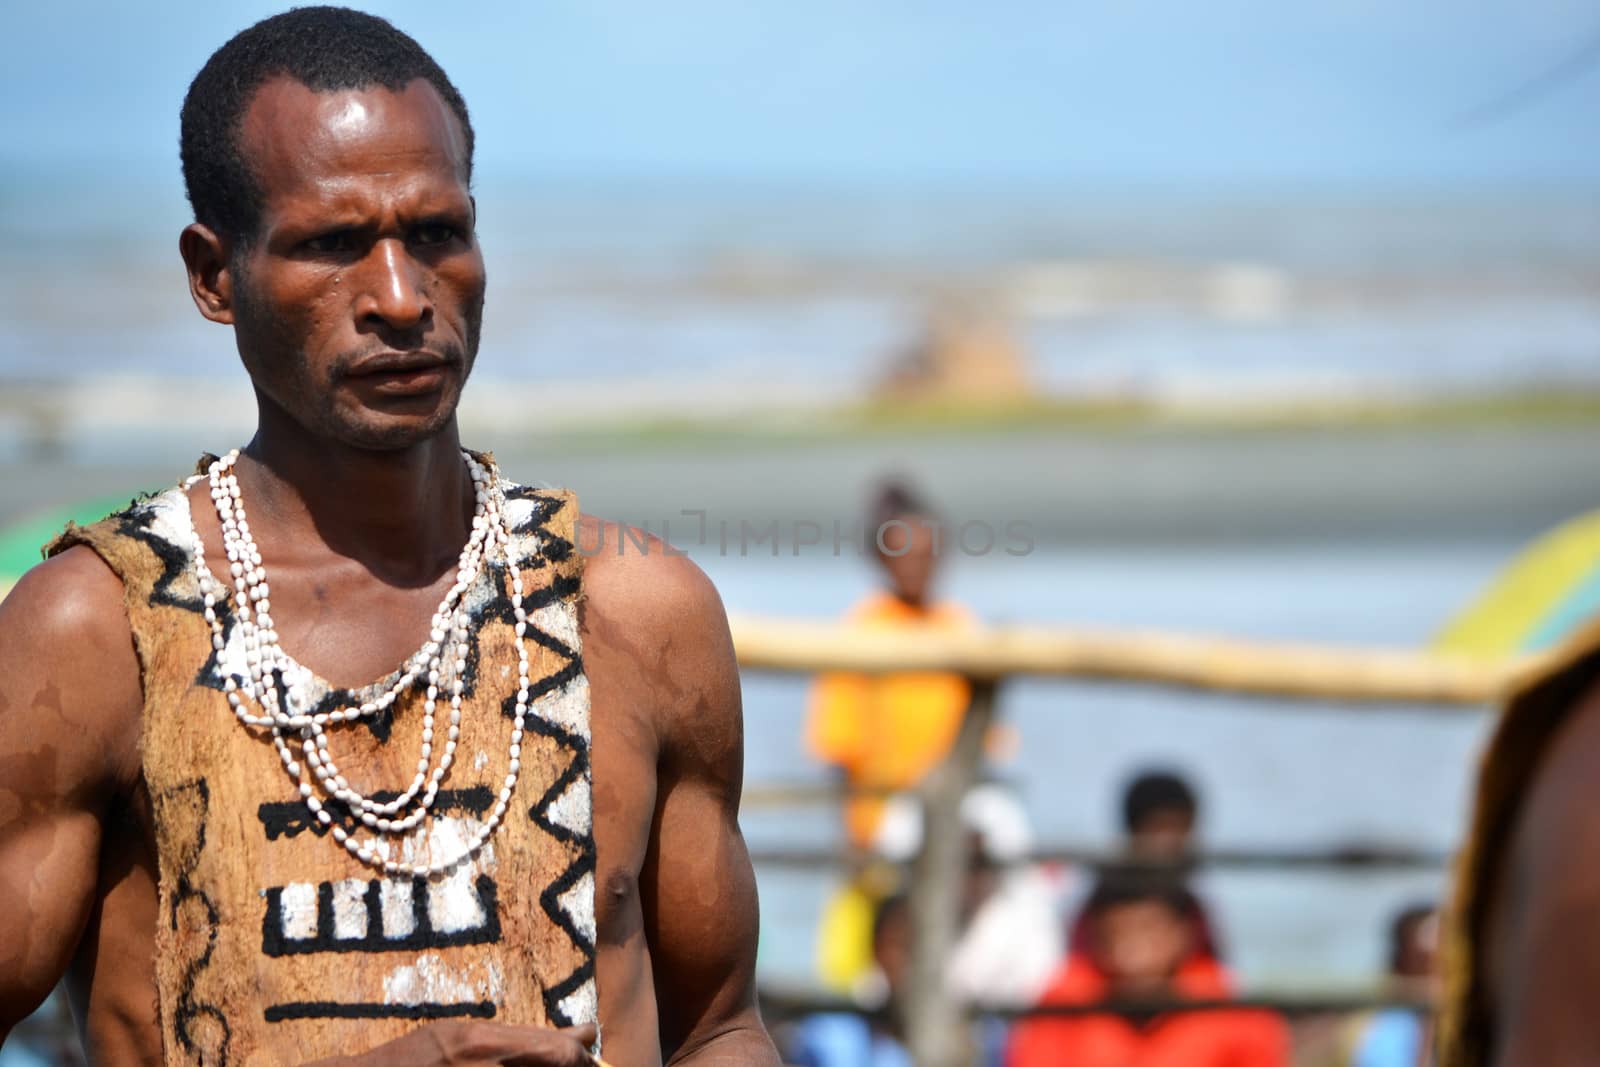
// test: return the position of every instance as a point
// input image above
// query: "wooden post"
(935, 1025)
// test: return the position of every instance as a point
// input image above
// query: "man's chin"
(394, 431)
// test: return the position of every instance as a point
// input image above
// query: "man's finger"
(567, 1047)
(585, 1034)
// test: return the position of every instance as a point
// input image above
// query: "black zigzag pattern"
(137, 522)
(549, 548)
(582, 864)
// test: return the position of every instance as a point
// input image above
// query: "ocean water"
(814, 291)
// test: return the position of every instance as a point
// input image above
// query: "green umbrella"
(21, 540)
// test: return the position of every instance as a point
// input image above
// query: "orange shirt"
(1222, 1038)
(887, 731)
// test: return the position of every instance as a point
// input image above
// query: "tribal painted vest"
(274, 945)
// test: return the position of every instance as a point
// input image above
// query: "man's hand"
(481, 1044)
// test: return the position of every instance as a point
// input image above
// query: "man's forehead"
(295, 137)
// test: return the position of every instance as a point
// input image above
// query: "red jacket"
(1223, 1038)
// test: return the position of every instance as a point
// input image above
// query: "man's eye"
(433, 233)
(339, 241)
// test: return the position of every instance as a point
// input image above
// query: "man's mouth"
(401, 373)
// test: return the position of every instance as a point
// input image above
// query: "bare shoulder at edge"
(68, 667)
(649, 605)
(1543, 933)
(635, 572)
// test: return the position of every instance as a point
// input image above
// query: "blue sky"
(1230, 92)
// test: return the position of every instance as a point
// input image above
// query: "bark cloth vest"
(1538, 706)
(273, 944)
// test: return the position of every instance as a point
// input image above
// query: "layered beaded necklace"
(443, 655)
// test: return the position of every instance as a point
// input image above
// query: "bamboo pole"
(1264, 668)
(935, 1029)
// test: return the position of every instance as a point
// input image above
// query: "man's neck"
(404, 514)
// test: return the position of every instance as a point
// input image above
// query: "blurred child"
(884, 733)
(1143, 936)
(1397, 1037)
(848, 1040)
(1160, 812)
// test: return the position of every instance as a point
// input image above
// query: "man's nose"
(393, 293)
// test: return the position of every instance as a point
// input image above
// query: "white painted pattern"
(350, 909)
(430, 980)
(394, 903)
(299, 911)
(571, 810)
(578, 903)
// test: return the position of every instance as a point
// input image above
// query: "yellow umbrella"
(1537, 599)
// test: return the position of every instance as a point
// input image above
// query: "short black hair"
(322, 48)
(1139, 884)
(1156, 791)
(1403, 927)
(891, 909)
(895, 498)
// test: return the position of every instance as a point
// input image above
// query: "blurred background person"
(1010, 936)
(883, 733)
(1397, 1037)
(1160, 813)
(1143, 938)
(845, 1039)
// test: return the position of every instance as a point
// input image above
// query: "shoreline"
(1507, 473)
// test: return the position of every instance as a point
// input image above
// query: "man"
(1143, 938)
(567, 853)
(1521, 952)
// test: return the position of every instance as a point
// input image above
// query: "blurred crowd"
(1042, 945)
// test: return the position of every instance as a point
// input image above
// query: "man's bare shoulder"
(1543, 935)
(67, 607)
(651, 613)
(1557, 835)
(67, 664)
(632, 570)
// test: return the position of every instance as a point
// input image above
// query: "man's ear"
(205, 254)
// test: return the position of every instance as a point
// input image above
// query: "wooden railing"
(1262, 668)
(1352, 677)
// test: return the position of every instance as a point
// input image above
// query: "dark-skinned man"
(522, 838)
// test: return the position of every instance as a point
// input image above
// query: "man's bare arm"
(69, 714)
(697, 887)
(1544, 941)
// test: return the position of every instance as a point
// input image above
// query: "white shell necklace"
(443, 655)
